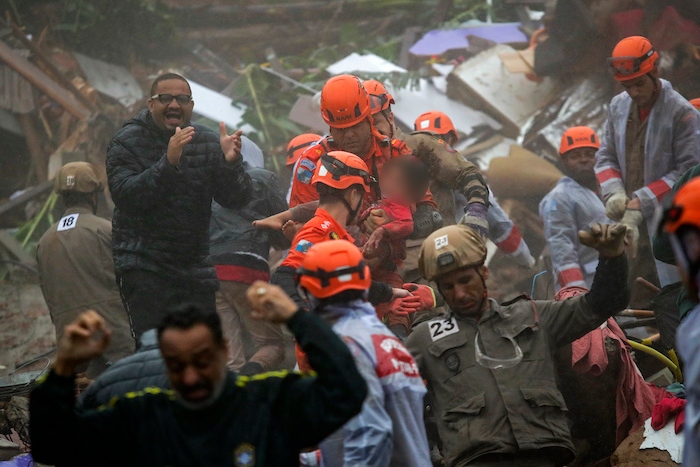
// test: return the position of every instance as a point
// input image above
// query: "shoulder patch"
(440, 328)
(393, 357)
(334, 236)
(303, 246)
(304, 175)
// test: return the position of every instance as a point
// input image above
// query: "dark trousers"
(148, 296)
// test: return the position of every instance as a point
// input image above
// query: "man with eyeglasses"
(489, 367)
(163, 172)
(651, 138)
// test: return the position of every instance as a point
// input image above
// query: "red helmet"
(341, 170)
(332, 267)
(379, 98)
(695, 103)
(436, 122)
(344, 101)
(578, 137)
(298, 145)
(632, 57)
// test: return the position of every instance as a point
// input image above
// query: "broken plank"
(55, 72)
(26, 196)
(42, 81)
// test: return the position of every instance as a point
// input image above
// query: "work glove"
(475, 218)
(632, 219)
(617, 205)
(608, 239)
(425, 294)
(405, 305)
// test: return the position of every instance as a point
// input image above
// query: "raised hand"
(230, 144)
(270, 303)
(84, 339)
(608, 239)
(177, 143)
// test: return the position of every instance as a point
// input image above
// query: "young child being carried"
(403, 182)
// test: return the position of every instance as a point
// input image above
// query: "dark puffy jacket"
(141, 370)
(232, 234)
(161, 216)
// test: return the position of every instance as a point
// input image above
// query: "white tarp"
(112, 80)
(217, 107)
(368, 63)
(410, 103)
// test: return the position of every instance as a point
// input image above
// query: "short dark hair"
(187, 316)
(166, 77)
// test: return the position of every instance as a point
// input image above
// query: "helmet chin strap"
(352, 213)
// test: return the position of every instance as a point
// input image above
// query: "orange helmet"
(685, 209)
(435, 121)
(298, 145)
(578, 137)
(379, 98)
(344, 101)
(695, 103)
(632, 57)
(341, 170)
(332, 267)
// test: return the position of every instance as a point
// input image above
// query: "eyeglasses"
(166, 99)
(338, 169)
(497, 363)
(626, 66)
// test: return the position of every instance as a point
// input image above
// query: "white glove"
(617, 205)
(632, 219)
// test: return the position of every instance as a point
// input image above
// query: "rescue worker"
(501, 230)
(212, 416)
(489, 367)
(573, 204)
(389, 430)
(682, 223)
(240, 254)
(295, 148)
(76, 271)
(651, 138)
(342, 180)
(163, 172)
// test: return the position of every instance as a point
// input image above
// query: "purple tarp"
(439, 41)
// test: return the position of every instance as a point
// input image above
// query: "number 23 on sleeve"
(440, 328)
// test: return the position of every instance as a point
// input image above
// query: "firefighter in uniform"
(389, 431)
(572, 205)
(489, 367)
(76, 267)
(651, 138)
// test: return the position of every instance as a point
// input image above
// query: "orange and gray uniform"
(77, 274)
(669, 147)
